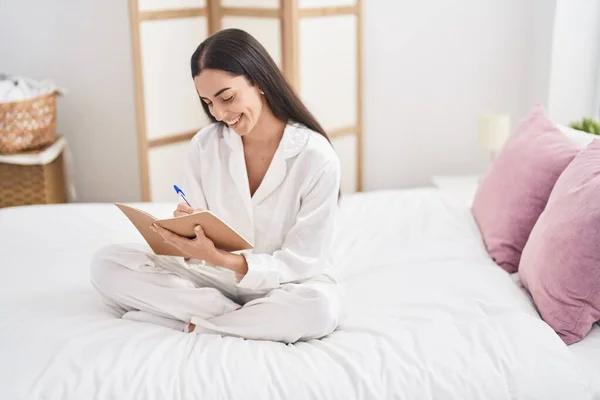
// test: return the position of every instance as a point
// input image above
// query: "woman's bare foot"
(191, 327)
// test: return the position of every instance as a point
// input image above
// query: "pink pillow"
(560, 266)
(515, 190)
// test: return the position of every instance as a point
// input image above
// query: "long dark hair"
(239, 53)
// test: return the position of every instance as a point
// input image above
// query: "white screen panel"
(345, 147)
(266, 30)
(154, 5)
(328, 69)
(250, 3)
(166, 168)
(324, 3)
(170, 98)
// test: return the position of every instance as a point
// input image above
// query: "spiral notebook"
(223, 236)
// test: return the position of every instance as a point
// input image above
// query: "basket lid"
(37, 157)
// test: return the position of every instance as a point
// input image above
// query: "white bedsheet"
(586, 351)
(427, 316)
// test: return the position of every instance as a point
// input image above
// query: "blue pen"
(180, 192)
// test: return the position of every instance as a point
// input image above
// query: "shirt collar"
(295, 136)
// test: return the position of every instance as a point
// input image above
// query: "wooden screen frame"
(289, 15)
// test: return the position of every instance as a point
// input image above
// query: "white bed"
(427, 316)
(587, 351)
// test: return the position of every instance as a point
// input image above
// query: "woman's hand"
(184, 209)
(200, 247)
(203, 248)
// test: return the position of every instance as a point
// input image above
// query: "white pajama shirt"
(288, 293)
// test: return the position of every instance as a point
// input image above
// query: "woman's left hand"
(200, 247)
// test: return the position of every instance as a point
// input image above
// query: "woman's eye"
(228, 99)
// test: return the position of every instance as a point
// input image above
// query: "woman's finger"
(184, 208)
(173, 241)
(199, 232)
(165, 233)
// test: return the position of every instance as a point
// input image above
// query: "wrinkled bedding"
(427, 315)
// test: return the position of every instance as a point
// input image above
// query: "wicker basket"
(33, 184)
(28, 124)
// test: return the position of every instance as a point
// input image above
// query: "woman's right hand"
(184, 209)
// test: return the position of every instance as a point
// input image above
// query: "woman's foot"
(191, 327)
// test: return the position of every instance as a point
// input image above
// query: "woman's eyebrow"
(218, 93)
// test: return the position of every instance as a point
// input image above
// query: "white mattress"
(427, 316)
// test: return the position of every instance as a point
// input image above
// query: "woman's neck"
(267, 131)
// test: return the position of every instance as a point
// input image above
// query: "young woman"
(267, 168)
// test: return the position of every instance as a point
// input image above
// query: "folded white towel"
(14, 88)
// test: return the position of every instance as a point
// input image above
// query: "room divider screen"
(316, 43)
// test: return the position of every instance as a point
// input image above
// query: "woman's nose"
(217, 112)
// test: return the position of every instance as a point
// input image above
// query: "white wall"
(575, 62)
(541, 51)
(430, 68)
(85, 47)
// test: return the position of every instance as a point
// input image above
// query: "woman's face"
(230, 99)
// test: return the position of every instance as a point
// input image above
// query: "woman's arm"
(306, 247)
(203, 249)
(235, 262)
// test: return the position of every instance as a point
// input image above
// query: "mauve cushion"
(560, 265)
(514, 192)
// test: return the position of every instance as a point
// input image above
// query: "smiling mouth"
(234, 121)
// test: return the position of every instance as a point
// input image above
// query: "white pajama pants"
(168, 291)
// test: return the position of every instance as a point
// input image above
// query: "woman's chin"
(241, 130)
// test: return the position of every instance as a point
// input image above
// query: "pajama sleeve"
(306, 246)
